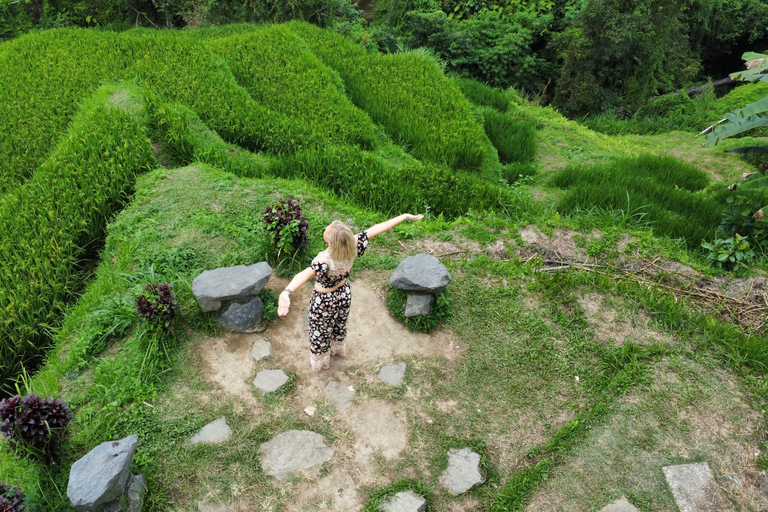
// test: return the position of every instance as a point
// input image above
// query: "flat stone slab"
(268, 381)
(418, 304)
(102, 474)
(341, 396)
(261, 350)
(292, 451)
(422, 273)
(204, 506)
(463, 472)
(406, 501)
(242, 315)
(620, 505)
(215, 432)
(229, 283)
(689, 484)
(393, 374)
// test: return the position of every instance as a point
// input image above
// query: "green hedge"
(407, 94)
(279, 71)
(45, 75)
(65, 205)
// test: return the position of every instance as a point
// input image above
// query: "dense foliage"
(11, 499)
(286, 222)
(34, 425)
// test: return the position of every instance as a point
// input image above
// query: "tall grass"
(45, 75)
(50, 224)
(407, 94)
(666, 191)
(279, 71)
(483, 95)
(513, 137)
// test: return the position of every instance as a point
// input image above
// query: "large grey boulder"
(393, 374)
(102, 475)
(422, 273)
(214, 433)
(620, 505)
(268, 381)
(463, 472)
(690, 485)
(406, 501)
(418, 304)
(292, 451)
(229, 283)
(241, 316)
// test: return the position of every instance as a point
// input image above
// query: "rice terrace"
(604, 327)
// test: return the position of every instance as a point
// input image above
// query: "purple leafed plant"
(156, 304)
(286, 221)
(11, 500)
(34, 424)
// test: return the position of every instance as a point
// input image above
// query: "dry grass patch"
(687, 413)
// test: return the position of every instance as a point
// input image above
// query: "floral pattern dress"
(328, 312)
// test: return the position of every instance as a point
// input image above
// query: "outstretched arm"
(284, 301)
(377, 229)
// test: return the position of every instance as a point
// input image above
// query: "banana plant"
(740, 120)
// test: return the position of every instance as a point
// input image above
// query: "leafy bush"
(11, 500)
(408, 94)
(155, 303)
(730, 253)
(269, 299)
(34, 425)
(483, 95)
(441, 309)
(286, 221)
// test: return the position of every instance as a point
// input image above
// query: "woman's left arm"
(377, 229)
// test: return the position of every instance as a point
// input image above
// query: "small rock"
(422, 273)
(204, 506)
(620, 505)
(418, 304)
(393, 374)
(261, 350)
(241, 316)
(136, 493)
(268, 381)
(340, 396)
(463, 472)
(293, 450)
(215, 432)
(229, 283)
(102, 475)
(310, 410)
(406, 501)
(690, 485)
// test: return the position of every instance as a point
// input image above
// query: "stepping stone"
(261, 350)
(393, 374)
(292, 451)
(102, 475)
(689, 484)
(620, 505)
(268, 381)
(341, 396)
(229, 283)
(422, 273)
(418, 304)
(406, 501)
(215, 432)
(241, 316)
(204, 506)
(463, 472)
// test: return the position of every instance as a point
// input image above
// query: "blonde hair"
(342, 244)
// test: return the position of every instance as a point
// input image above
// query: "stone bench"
(421, 276)
(232, 293)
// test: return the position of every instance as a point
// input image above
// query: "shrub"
(441, 309)
(34, 425)
(156, 304)
(286, 221)
(269, 299)
(11, 500)
(730, 253)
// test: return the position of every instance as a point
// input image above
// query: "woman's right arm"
(284, 301)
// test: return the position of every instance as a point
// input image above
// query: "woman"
(329, 304)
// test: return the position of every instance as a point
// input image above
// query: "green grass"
(483, 95)
(515, 139)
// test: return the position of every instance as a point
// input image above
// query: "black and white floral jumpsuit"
(328, 312)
